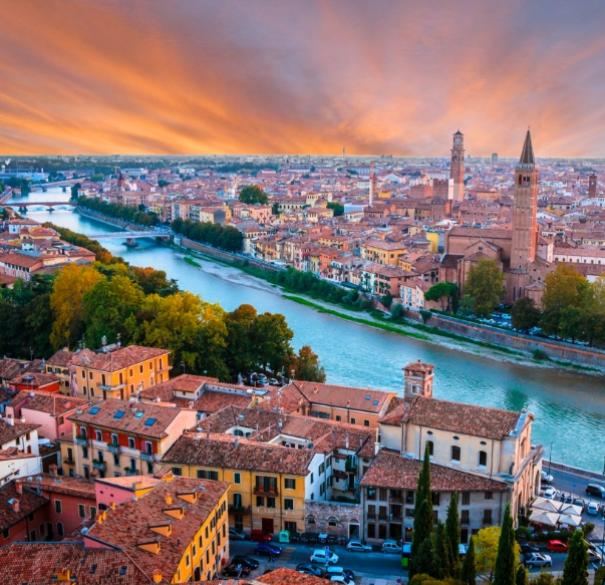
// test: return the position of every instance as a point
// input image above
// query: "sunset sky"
(262, 76)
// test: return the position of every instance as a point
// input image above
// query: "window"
(85, 452)
(270, 502)
(60, 528)
(290, 483)
(430, 446)
(93, 512)
(237, 478)
(288, 504)
(5, 533)
(81, 511)
(455, 453)
(482, 458)
(352, 421)
(371, 530)
(337, 418)
(131, 443)
(489, 495)
(366, 423)
(58, 506)
(177, 471)
(464, 517)
(260, 501)
(466, 498)
(312, 477)
(435, 496)
(487, 516)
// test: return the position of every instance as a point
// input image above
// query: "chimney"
(15, 505)
(19, 487)
(168, 499)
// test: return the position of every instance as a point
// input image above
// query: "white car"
(358, 546)
(342, 579)
(538, 560)
(592, 508)
(390, 546)
(324, 556)
(546, 477)
(550, 493)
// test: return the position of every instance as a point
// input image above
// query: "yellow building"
(383, 252)
(178, 532)
(269, 483)
(120, 373)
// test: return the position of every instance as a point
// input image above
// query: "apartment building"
(116, 437)
(383, 252)
(119, 373)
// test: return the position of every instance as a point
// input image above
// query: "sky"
(302, 76)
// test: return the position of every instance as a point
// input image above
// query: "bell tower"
(592, 185)
(418, 379)
(457, 166)
(525, 209)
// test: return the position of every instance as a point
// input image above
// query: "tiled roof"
(468, 419)
(126, 416)
(231, 452)
(211, 401)
(117, 359)
(129, 523)
(363, 399)
(71, 486)
(61, 358)
(49, 402)
(390, 470)
(35, 379)
(10, 432)
(183, 383)
(283, 576)
(28, 502)
(37, 563)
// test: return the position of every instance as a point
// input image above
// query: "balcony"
(239, 509)
(69, 461)
(260, 490)
(99, 444)
(351, 465)
(98, 464)
(150, 457)
(82, 441)
(112, 388)
(112, 448)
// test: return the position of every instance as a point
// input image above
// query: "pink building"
(110, 491)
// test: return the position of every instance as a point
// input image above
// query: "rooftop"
(118, 359)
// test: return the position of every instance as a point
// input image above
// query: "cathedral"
(523, 256)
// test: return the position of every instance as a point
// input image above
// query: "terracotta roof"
(230, 452)
(118, 359)
(27, 502)
(183, 383)
(49, 402)
(126, 416)
(35, 379)
(10, 432)
(128, 525)
(72, 486)
(468, 419)
(61, 358)
(36, 563)
(283, 576)
(389, 469)
(211, 401)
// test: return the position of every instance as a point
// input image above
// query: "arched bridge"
(132, 235)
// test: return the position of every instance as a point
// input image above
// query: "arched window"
(430, 446)
(455, 453)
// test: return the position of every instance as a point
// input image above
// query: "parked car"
(324, 556)
(592, 508)
(528, 548)
(579, 502)
(342, 579)
(267, 549)
(550, 493)
(310, 569)
(236, 570)
(538, 560)
(391, 546)
(546, 477)
(358, 546)
(261, 536)
(309, 538)
(250, 562)
(237, 535)
(556, 546)
(596, 489)
(334, 571)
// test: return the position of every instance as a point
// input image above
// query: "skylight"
(150, 422)
(94, 410)
(119, 414)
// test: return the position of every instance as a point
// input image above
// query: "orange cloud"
(265, 76)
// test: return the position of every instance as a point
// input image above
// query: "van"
(595, 489)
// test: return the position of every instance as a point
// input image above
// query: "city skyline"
(272, 78)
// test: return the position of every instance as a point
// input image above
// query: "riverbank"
(378, 320)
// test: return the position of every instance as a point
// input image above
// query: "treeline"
(101, 254)
(128, 213)
(85, 306)
(224, 237)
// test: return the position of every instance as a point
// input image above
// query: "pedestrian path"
(396, 580)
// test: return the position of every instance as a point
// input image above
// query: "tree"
(575, 571)
(486, 548)
(468, 574)
(525, 314)
(387, 300)
(485, 285)
(253, 194)
(504, 573)
(307, 367)
(423, 520)
(521, 575)
(338, 208)
(446, 293)
(240, 326)
(452, 528)
(442, 560)
(67, 303)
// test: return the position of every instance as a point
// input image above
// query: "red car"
(261, 536)
(556, 546)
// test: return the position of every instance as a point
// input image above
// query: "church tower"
(525, 208)
(592, 185)
(457, 166)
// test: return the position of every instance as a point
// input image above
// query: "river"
(569, 407)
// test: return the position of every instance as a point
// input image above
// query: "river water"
(569, 408)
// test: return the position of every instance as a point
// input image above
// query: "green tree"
(485, 285)
(545, 579)
(521, 575)
(504, 573)
(468, 574)
(452, 528)
(446, 293)
(240, 339)
(442, 559)
(338, 208)
(423, 520)
(253, 194)
(525, 314)
(486, 549)
(575, 571)
(307, 366)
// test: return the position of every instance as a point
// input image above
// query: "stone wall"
(335, 518)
